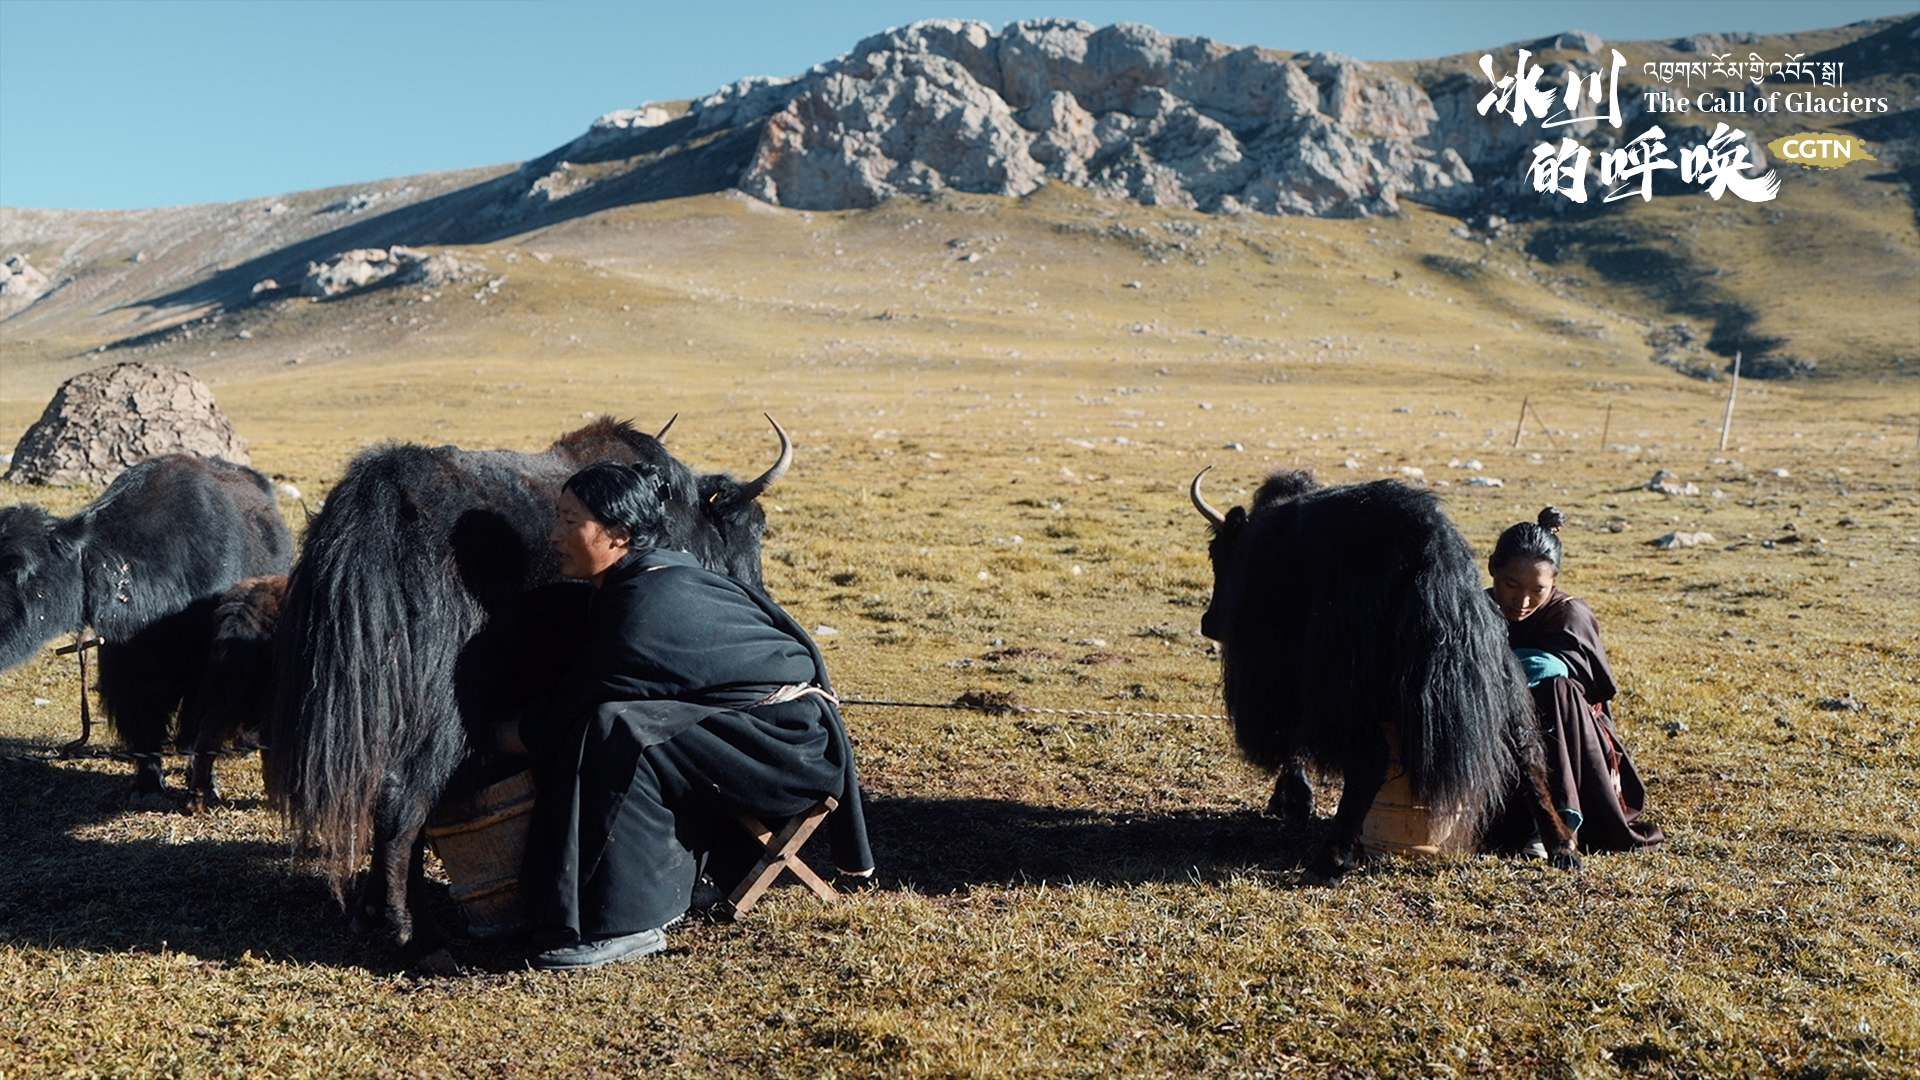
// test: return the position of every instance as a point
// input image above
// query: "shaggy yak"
(1341, 610)
(426, 606)
(143, 565)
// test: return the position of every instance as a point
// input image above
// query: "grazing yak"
(143, 565)
(426, 606)
(1345, 609)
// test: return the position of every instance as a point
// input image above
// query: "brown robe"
(1588, 767)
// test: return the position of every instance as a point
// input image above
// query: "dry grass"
(1074, 895)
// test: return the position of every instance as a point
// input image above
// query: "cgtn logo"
(1820, 150)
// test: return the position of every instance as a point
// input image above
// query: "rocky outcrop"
(949, 104)
(103, 421)
(365, 268)
(20, 284)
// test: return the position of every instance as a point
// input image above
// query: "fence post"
(1726, 422)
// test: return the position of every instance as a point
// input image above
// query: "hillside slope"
(1798, 285)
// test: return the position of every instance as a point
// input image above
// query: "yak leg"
(1562, 852)
(1342, 850)
(399, 850)
(200, 791)
(140, 695)
(1292, 793)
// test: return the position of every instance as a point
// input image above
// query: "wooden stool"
(782, 853)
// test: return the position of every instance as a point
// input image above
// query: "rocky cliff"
(1123, 110)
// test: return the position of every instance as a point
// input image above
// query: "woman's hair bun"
(1551, 519)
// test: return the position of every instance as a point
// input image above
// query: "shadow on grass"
(61, 887)
(69, 882)
(945, 845)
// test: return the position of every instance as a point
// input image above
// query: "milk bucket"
(1398, 825)
(480, 839)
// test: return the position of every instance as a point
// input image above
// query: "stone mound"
(100, 422)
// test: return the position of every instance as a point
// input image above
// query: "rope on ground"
(89, 753)
(1025, 710)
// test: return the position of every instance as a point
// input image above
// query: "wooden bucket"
(480, 840)
(1397, 825)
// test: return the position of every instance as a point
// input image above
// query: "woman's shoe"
(593, 954)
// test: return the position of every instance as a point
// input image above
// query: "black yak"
(1341, 610)
(423, 586)
(141, 565)
(233, 689)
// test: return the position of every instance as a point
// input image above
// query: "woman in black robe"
(1557, 639)
(695, 699)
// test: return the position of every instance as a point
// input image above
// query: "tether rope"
(990, 707)
(89, 753)
(1002, 708)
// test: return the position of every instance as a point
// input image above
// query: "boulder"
(102, 421)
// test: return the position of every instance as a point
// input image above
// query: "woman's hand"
(506, 739)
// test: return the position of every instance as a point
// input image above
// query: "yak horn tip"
(1213, 516)
(662, 436)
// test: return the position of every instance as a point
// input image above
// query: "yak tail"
(1467, 729)
(374, 620)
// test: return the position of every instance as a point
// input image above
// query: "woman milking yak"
(695, 699)
(1557, 639)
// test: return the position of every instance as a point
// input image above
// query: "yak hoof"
(1328, 869)
(147, 780)
(1564, 860)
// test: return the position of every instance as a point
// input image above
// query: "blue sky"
(106, 103)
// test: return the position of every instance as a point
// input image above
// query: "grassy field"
(989, 494)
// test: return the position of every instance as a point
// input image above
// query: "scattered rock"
(1668, 484)
(102, 421)
(1020, 652)
(1844, 703)
(989, 701)
(1675, 728)
(823, 630)
(1681, 539)
(1485, 481)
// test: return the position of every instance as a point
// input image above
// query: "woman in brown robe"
(1557, 639)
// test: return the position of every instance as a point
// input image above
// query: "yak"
(1341, 610)
(143, 566)
(425, 604)
(234, 685)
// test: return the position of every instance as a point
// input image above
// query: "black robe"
(1588, 767)
(655, 740)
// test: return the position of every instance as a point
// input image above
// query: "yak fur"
(1340, 610)
(423, 585)
(143, 566)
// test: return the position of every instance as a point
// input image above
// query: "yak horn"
(1214, 517)
(766, 480)
(662, 437)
